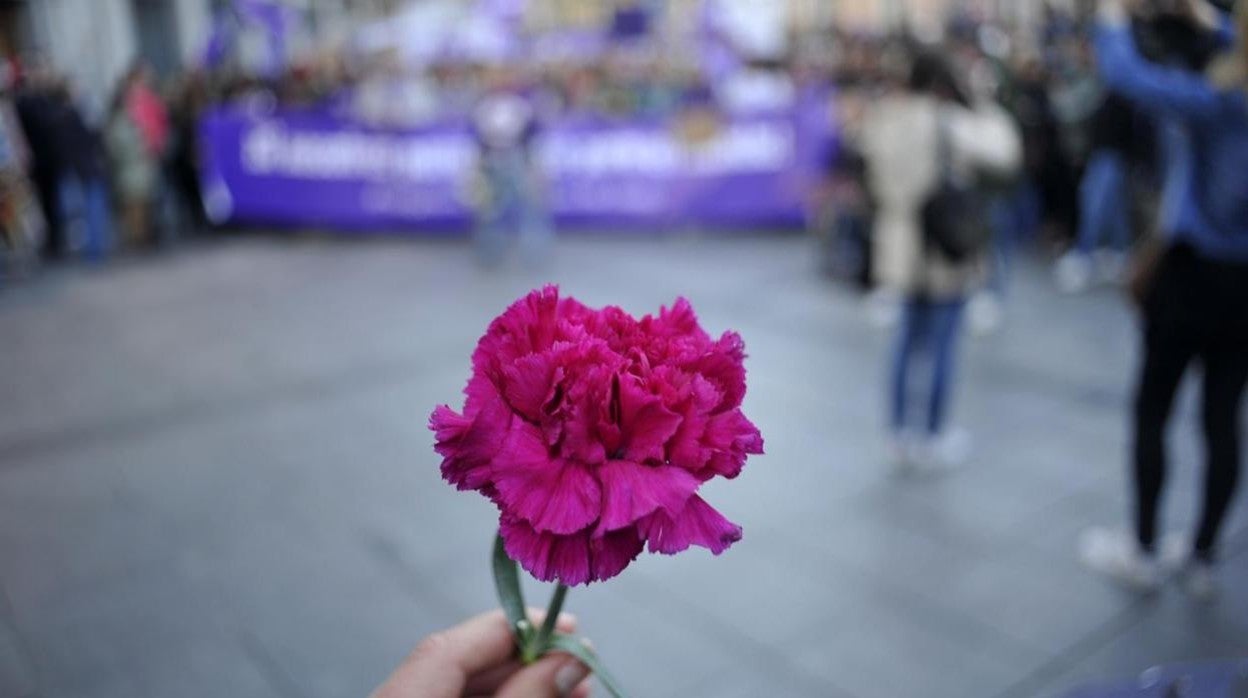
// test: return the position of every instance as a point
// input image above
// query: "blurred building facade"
(93, 42)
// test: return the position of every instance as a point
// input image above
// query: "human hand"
(478, 658)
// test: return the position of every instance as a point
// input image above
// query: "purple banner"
(311, 169)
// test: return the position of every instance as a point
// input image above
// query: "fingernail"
(569, 676)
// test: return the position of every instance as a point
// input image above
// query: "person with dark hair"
(83, 189)
(35, 110)
(1104, 209)
(184, 151)
(1029, 102)
(1196, 304)
(508, 185)
(21, 221)
(137, 134)
(915, 141)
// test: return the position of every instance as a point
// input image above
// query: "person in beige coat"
(913, 138)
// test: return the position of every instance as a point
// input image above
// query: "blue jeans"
(1015, 215)
(1103, 203)
(514, 210)
(85, 202)
(929, 329)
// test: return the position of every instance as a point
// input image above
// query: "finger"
(442, 662)
(565, 623)
(555, 676)
(476, 644)
(583, 689)
(488, 681)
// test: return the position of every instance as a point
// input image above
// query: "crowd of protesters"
(76, 184)
(1043, 75)
(1069, 124)
(127, 177)
(1131, 131)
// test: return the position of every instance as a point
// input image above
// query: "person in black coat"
(36, 112)
(83, 189)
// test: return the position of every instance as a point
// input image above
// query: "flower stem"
(510, 596)
(542, 641)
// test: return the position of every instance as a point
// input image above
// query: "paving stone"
(16, 676)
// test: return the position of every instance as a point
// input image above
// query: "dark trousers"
(47, 187)
(1196, 311)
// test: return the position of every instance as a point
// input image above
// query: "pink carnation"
(592, 432)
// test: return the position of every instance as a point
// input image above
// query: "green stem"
(552, 616)
(510, 596)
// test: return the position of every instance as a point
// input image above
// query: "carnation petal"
(610, 554)
(646, 423)
(731, 437)
(547, 556)
(685, 449)
(552, 494)
(631, 491)
(448, 427)
(585, 426)
(697, 524)
(528, 383)
(528, 326)
(724, 366)
(619, 329)
(679, 320)
(573, 559)
(479, 392)
(468, 445)
(693, 397)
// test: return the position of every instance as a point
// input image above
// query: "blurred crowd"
(74, 183)
(78, 182)
(1048, 84)
(1135, 127)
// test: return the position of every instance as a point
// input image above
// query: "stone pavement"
(215, 480)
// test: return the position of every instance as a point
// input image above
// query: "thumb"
(554, 676)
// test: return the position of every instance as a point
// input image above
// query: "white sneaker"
(946, 451)
(1199, 580)
(1196, 576)
(1173, 552)
(984, 314)
(1117, 555)
(1073, 273)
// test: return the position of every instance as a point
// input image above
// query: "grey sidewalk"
(215, 480)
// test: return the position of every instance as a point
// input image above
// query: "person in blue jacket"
(1196, 305)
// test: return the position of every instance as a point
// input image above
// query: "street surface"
(216, 480)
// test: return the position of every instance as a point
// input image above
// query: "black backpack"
(955, 216)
